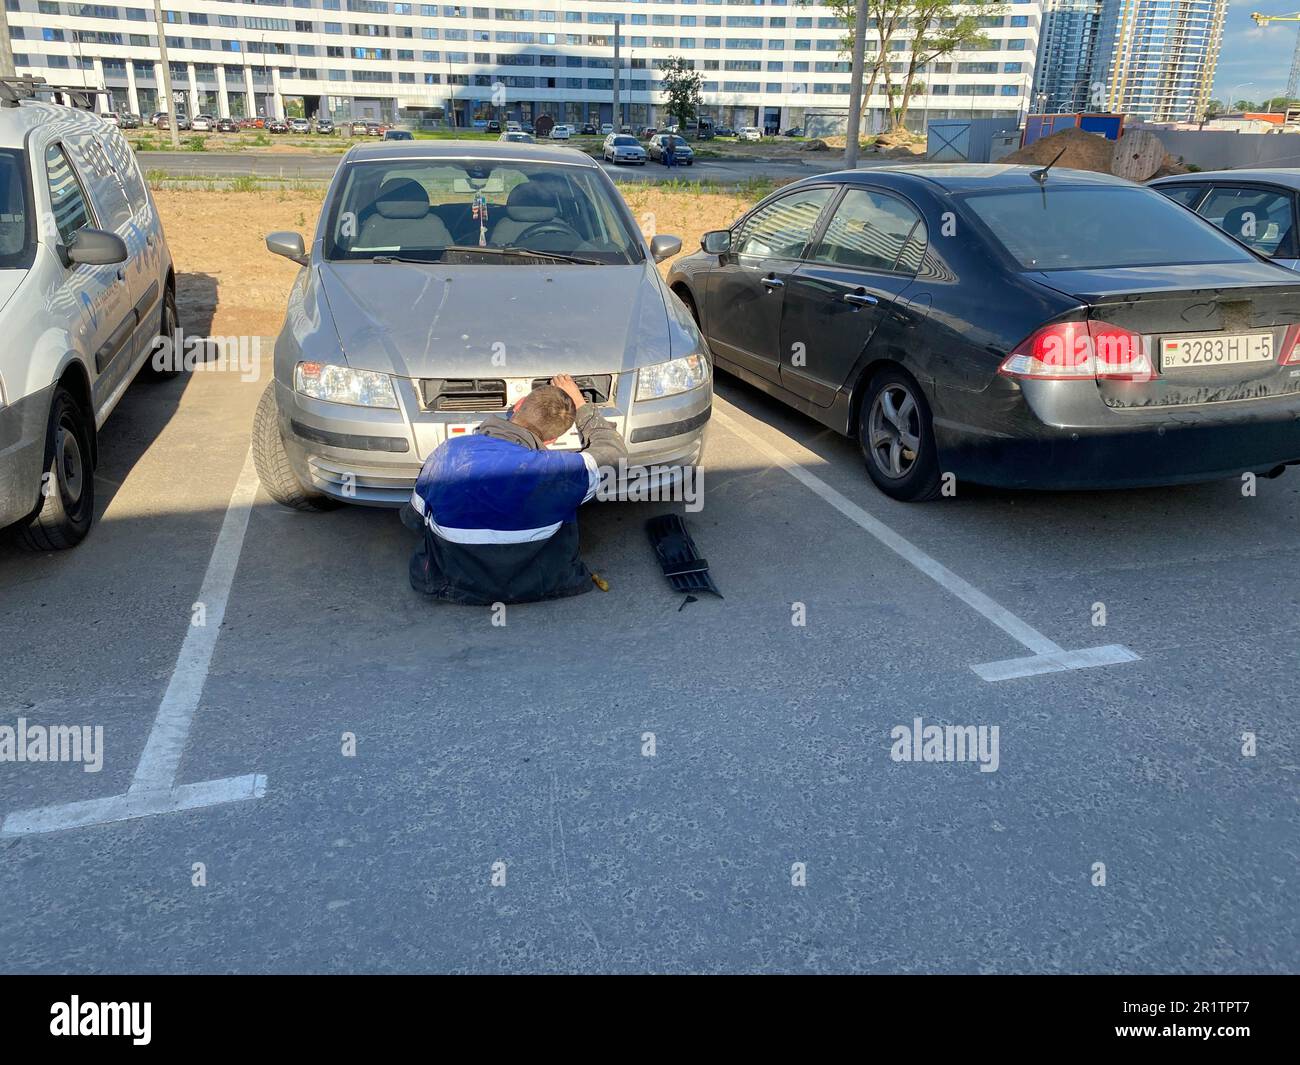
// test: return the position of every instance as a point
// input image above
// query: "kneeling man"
(500, 511)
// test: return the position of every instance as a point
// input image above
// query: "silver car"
(443, 282)
(623, 148)
(1257, 207)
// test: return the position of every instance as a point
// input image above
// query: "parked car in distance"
(202, 123)
(1085, 332)
(277, 125)
(1257, 207)
(494, 126)
(683, 151)
(793, 131)
(561, 132)
(111, 117)
(623, 148)
(299, 125)
(606, 128)
(324, 125)
(358, 129)
(723, 131)
(162, 120)
(646, 132)
(588, 130)
(128, 120)
(375, 129)
(516, 136)
(749, 133)
(514, 127)
(398, 135)
(361, 395)
(227, 125)
(88, 288)
(528, 127)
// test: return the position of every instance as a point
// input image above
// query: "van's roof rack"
(14, 90)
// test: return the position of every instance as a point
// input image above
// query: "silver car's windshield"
(418, 209)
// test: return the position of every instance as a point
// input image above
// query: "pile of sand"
(1091, 151)
(1083, 151)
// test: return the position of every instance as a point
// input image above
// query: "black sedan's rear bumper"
(1066, 438)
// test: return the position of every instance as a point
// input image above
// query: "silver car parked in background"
(444, 281)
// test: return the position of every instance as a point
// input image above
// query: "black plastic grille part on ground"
(678, 557)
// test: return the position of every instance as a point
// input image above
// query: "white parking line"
(1048, 656)
(153, 788)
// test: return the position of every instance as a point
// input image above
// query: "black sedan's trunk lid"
(1212, 332)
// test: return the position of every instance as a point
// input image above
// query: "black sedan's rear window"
(1076, 227)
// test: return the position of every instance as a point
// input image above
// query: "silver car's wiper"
(400, 259)
(525, 253)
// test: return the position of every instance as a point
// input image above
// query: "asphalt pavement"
(628, 780)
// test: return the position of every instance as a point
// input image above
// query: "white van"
(86, 284)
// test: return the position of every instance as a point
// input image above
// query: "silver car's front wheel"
(272, 461)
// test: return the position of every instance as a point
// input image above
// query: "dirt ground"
(228, 284)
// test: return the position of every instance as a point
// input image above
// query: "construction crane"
(1292, 82)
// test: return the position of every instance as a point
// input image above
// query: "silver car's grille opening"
(597, 388)
(463, 394)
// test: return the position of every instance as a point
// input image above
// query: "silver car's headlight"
(670, 378)
(339, 384)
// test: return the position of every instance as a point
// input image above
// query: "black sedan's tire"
(896, 433)
(68, 484)
(272, 461)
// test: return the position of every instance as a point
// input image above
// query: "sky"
(1252, 54)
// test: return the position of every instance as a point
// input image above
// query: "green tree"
(939, 29)
(682, 86)
(931, 29)
(1214, 107)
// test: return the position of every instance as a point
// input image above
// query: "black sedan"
(1007, 326)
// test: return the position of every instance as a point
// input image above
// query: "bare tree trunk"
(853, 130)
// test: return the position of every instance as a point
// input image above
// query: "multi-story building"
(1149, 59)
(769, 63)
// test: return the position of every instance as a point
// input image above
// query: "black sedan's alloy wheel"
(897, 438)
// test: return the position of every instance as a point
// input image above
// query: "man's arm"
(600, 439)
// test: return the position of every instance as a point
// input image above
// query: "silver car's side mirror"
(716, 241)
(664, 247)
(289, 245)
(95, 247)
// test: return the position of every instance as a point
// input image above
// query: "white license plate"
(570, 441)
(1221, 349)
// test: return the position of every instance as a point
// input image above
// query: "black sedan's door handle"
(860, 299)
(773, 282)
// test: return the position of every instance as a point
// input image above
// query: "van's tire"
(68, 485)
(169, 321)
(896, 434)
(272, 461)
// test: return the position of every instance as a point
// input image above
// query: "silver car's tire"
(168, 324)
(68, 484)
(272, 461)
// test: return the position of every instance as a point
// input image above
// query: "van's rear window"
(1076, 227)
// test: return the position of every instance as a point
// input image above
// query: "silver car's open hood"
(444, 321)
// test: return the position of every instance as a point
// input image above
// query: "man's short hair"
(547, 411)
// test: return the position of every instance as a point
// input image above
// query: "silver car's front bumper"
(373, 456)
